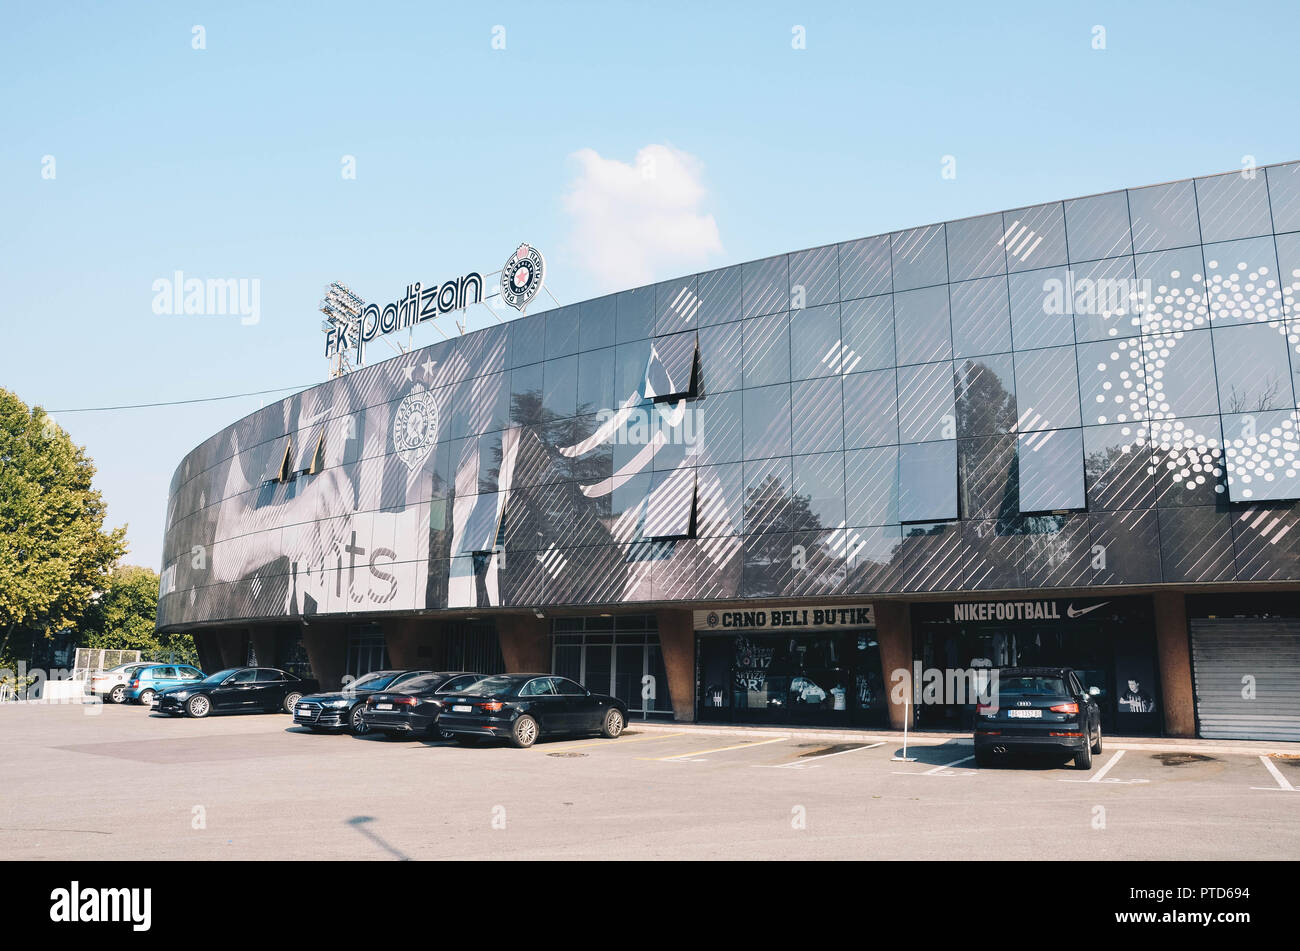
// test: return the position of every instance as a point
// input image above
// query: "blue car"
(149, 681)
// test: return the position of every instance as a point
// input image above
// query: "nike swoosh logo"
(1073, 613)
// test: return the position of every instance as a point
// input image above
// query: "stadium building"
(1062, 434)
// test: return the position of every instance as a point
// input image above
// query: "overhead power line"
(202, 399)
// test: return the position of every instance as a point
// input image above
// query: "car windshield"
(418, 683)
(373, 681)
(220, 675)
(489, 686)
(1020, 685)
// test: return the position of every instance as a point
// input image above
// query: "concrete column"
(1175, 663)
(677, 642)
(233, 647)
(894, 634)
(327, 652)
(525, 643)
(263, 639)
(205, 643)
(413, 642)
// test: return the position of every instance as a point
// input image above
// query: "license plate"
(383, 706)
(1025, 714)
(461, 708)
(304, 712)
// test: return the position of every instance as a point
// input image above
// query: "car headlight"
(181, 695)
(338, 704)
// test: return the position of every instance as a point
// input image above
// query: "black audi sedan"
(1038, 710)
(341, 710)
(413, 706)
(523, 707)
(236, 690)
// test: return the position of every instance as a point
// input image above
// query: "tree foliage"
(54, 550)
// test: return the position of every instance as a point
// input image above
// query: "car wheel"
(291, 701)
(198, 707)
(1083, 758)
(357, 723)
(146, 697)
(1096, 748)
(118, 694)
(613, 725)
(524, 732)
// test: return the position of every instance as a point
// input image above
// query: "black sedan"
(236, 690)
(413, 707)
(522, 707)
(1038, 710)
(342, 709)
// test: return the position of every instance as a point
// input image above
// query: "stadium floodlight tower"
(342, 327)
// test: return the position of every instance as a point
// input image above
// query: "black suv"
(1038, 710)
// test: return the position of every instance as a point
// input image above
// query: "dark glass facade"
(1086, 393)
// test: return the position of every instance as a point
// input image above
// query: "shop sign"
(826, 617)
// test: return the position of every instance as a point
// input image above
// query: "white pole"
(907, 719)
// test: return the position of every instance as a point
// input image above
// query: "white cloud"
(636, 223)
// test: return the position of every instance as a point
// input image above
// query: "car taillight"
(493, 706)
(1065, 708)
(135, 683)
(985, 709)
(405, 701)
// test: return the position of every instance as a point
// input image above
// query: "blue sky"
(226, 161)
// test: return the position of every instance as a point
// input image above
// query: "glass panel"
(766, 421)
(871, 486)
(1106, 299)
(868, 329)
(635, 311)
(865, 269)
(526, 394)
(1097, 227)
(720, 430)
(767, 350)
(720, 358)
(1164, 216)
(819, 407)
(671, 507)
(975, 248)
(1284, 196)
(671, 370)
(561, 332)
(1241, 279)
(981, 317)
(1112, 382)
(1034, 237)
(1288, 266)
(1187, 456)
(766, 286)
(814, 277)
(870, 409)
(920, 258)
(987, 467)
(1174, 283)
(719, 293)
(596, 323)
(926, 405)
(1040, 309)
(525, 341)
(560, 387)
(598, 676)
(1051, 470)
(927, 481)
(1261, 451)
(1117, 468)
(630, 362)
(1047, 389)
(677, 305)
(1179, 370)
(628, 671)
(1233, 206)
(768, 496)
(819, 491)
(595, 380)
(922, 325)
(815, 348)
(1253, 368)
(986, 395)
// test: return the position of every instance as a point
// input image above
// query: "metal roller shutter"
(1226, 650)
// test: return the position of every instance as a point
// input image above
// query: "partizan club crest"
(415, 427)
(521, 278)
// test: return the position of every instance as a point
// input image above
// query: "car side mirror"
(1094, 691)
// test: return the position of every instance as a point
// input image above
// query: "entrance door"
(1244, 671)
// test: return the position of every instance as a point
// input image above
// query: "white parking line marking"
(695, 756)
(1101, 774)
(796, 765)
(1283, 784)
(939, 770)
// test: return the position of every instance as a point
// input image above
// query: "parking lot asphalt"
(123, 783)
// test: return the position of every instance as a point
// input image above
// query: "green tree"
(122, 614)
(54, 550)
